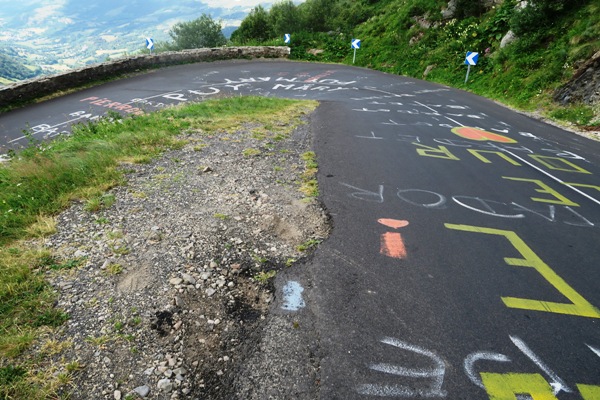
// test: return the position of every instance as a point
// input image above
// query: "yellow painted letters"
(578, 306)
(558, 164)
(507, 386)
(437, 152)
(589, 392)
(557, 197)
(477, 153)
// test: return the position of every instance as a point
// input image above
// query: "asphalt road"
(464, 258)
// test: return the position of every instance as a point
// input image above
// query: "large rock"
(508, 39)
(450, 10)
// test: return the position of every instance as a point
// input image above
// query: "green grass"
(250, 152)
(309, 244)
(264, 276)
(44, 179)
(309, 186)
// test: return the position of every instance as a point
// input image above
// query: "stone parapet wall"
(39, 87)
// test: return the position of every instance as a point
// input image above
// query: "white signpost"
(355, 45)
(150, 44)
(471, 59)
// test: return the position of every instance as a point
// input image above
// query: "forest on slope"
(528, 49)
(13, 70)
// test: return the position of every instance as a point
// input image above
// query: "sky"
(32, 13)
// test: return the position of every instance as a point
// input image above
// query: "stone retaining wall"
(39, 87)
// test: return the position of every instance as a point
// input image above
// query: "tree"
(201, 32)
(319, 14)
(285, 18)
(256, 26)
(540, 15)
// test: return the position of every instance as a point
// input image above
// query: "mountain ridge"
(54, 36)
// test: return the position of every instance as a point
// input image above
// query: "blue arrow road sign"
(355, 43)
(149, 43)
(472, 58)
(287, 38)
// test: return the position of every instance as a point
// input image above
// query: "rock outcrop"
(584, 87)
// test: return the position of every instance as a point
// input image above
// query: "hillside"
(12, 70)
(527, 49)
(58, 36)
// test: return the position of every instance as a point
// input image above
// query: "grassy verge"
(43, 180)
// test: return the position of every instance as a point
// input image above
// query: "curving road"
(464, 258)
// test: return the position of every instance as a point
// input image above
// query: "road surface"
(464, 259)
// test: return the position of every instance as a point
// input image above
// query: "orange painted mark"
(393, 223)
(470, 133)
(392, 245)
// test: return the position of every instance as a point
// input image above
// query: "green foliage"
(318, 15)
(284, 18)
(12, 69)
(538, 15)
(256, 26)
(469, 8)
(576, 114)
(264, 276)
(309, 244)
(199, 33)
(11, 374)
(26, 300)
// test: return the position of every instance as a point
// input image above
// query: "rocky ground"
(169, 285)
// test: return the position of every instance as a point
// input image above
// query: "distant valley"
(46, 37)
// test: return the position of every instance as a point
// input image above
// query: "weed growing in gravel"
(98, 203)
(259, 134)
(98, 341)
(66, 265)
(119, 250)
(73, 366)
(264, 276)
(102, 220)
(251, 152)
(289, 262)
(259, 260)
(114, 234)
(309, 244)
(118, 326)
(139, 195)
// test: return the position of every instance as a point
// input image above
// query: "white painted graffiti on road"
(510, 385)
(510, 210)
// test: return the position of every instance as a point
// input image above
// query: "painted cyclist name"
(114, 105)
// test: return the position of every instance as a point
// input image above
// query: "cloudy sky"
(233, 3)
(32, 13)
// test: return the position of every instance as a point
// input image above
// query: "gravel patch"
(173, 288)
